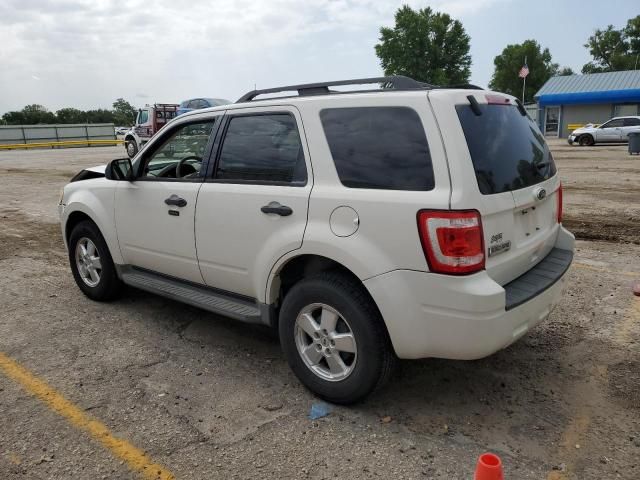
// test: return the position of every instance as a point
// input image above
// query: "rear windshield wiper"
(521, 109)
(475, 106)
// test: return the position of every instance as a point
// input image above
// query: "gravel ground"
(210, 398)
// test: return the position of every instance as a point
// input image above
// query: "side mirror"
(119, 169)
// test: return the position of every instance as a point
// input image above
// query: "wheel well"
(74, 219)
(128, 137)
(304, 266)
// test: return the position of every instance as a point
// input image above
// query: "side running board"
(208, 299)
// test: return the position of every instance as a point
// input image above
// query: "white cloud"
(88, 52)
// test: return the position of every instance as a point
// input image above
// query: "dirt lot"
(602, 191)
(208, 398)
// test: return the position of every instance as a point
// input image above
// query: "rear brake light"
(559, 200)
(497, 100)
(452, 240)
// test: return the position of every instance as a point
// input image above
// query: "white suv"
(403, 222)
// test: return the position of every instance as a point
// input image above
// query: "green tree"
(34, 114)
(565, 72)
(13, 118)
(427, 46)
(70, 115)
(124, 114)
(614, 50)
(508, 64)
(99, 115)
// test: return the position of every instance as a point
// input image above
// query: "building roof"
(609, 87)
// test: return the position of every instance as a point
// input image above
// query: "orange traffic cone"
(489, 467)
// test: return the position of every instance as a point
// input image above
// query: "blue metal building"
(575, 100)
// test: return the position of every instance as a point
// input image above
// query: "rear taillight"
(452, 240)
(559, 200)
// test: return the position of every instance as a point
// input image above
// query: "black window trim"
(170, 131)
(219, 142)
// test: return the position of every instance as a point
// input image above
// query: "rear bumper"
(466, 317)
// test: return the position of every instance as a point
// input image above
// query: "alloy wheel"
(325, 342)
(88, 262)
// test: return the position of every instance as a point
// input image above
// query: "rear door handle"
(176, 201)
(275, 207)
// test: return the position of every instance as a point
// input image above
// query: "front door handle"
(275, 207)
(176, 201)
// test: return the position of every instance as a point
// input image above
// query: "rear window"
(379, 147)
(507, 149)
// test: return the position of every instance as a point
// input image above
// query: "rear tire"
(586, 141)
(91, 263)
(335, 320)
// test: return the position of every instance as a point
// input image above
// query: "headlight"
(61, 196)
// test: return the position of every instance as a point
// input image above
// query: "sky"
(87, 53)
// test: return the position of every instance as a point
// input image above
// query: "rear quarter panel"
(387, 236)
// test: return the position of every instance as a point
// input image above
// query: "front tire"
(586, 141)
(131, 147)
(334, 338)
(91, 263)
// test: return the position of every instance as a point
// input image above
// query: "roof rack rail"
(463, 86)
(395, 82)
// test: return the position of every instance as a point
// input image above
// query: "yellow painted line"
(135, 458)
(66, 143)
(571, 447)
(624, 333)
(576, 429)
(578, 426)
(605, 270)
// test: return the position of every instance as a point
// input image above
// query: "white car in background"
(615, 130)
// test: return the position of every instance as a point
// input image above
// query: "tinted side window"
(379, 147)
(613, 124)
(631, 122)
(262, 148)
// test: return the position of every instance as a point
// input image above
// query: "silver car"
(615, 130)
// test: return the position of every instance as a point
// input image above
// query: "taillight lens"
(452, 240)
(559, 200)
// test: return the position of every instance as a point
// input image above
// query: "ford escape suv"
(407, 221)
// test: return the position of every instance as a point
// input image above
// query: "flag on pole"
(524, 71)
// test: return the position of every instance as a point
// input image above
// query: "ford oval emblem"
(540, 193)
